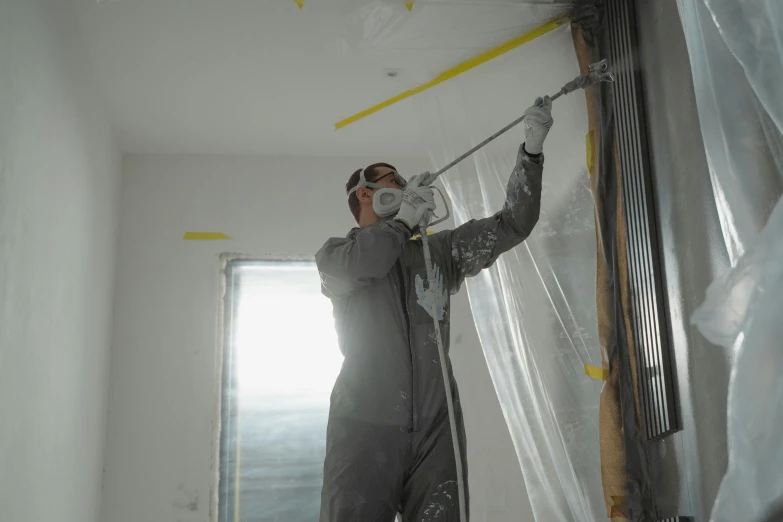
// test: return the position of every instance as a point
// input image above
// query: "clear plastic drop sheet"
(734, 120)
(535, 308)
(743, 308)
(536, 318)
(742, 124)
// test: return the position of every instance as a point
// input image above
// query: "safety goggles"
(398, 179)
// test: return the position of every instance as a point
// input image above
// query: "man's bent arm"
(476, 244)
(346, 265)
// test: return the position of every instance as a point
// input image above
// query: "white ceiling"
(265, 77)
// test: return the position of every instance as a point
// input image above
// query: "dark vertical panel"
(650, 335)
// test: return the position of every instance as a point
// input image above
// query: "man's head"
(360, 200)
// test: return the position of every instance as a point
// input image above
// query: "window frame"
(225, 372)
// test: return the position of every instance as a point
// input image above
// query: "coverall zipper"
(404, 300)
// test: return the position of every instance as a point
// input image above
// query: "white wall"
(59, 195)
(163, 366)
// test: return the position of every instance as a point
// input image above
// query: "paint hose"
(432, 287)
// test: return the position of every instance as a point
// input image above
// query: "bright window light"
(280, 362)
(285, 338)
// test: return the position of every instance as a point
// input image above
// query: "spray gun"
(599, 72)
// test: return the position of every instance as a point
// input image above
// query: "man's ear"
(364, 194)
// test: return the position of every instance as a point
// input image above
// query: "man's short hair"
(370, 174)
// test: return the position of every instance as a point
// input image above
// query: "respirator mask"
(386, 201)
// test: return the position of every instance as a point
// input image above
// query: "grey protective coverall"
(388, 441)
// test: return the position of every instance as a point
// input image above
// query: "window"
(280, 361)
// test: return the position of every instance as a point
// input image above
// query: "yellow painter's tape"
(461, 68)
(418, 236)
(596, 372)
(205, 236)
(237, 475)
(300, 3)
(590, 152)
(409, 5)
(617, 510)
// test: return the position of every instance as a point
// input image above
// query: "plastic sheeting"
(535, 308)
(742, 125)
(734, 125)
(437, 34)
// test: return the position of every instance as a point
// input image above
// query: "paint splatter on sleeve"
(476, 244)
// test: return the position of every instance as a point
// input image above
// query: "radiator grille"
(649, 330)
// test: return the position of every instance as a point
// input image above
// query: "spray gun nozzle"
(601, 66)
(599, 72)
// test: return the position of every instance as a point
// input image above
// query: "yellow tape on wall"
(300, 3)
(461, 68)
(205, 236)
(596, 372)
(409, 5)
(237, 475)
(590, 152)
(418, 236)
(617, 511)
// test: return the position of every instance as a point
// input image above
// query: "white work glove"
(538, 121)
(418, 201)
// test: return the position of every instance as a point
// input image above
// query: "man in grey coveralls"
(388, 443)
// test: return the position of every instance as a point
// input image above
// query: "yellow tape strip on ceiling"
(300, 3)
(461, 68)
(409, 5)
